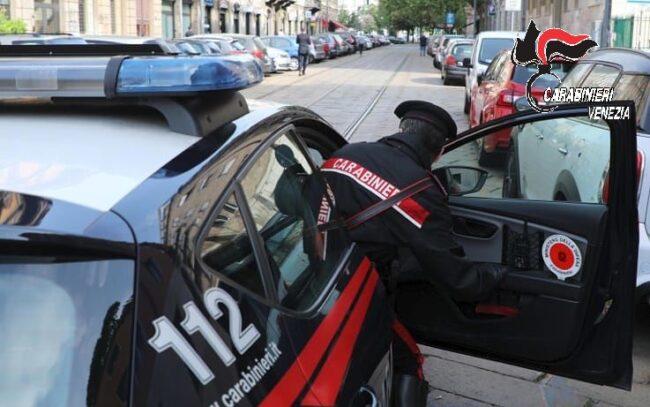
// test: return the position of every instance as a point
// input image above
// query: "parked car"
(287, 44)
(227, 45)
(151, 256)
(282, 60)
(502, 84)
(321, 49)
(375, 40)
(486, 47)
(344, 47)
(383, 40)
(37, 39)
(332, 44)
(432, 44)
(165, 45)
(349, 39)
(452, 60)
(366, 41)
(558, 157)
(199, 47)
(442, 44)
(253, 45)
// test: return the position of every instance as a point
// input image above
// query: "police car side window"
(227, 248)
(556, 159)
(285, 197)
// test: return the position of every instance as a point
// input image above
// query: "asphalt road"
(358, 94)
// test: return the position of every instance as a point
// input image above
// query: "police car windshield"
(490, 47)
(61, 322)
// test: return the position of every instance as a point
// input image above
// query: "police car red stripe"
(294, 380)
(325, 388)
(409, 208)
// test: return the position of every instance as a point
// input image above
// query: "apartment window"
(143, 17)
(47, 16)
(4, 7)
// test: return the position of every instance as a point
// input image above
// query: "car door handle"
(473, 228)
(563, 151)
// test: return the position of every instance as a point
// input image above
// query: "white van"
(487, 46)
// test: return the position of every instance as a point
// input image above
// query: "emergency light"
(121, 76)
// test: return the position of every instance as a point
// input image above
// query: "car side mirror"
(460, 180)
(467, 63)
(522, 104)
(479, 79)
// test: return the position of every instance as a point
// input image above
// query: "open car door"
(560, 209)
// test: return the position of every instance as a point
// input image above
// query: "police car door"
(328, 301)
(567, 305)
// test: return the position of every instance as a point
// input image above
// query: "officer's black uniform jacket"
(358, 173)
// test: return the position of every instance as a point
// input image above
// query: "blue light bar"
(150, 76)
(155, 75)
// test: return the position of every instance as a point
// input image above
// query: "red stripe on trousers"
(407, 338)
(327, 385)
(294, 380)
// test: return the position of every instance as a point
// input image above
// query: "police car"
(147, 257)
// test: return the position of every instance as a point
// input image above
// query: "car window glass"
(238, 45)
(490, 71)
(287, 200)
(64, 325)
(521, 75)
(635, 88)
(575, 75)
(505, 69)
(601, 76)
(553, 159)
(462, 51)
(227, 248)
(490, 47)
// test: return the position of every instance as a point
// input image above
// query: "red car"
(501, 85)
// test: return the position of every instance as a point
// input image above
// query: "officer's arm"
(435, 249)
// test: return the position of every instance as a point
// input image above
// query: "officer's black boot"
(409, 391)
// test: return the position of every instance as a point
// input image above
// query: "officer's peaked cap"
(428, 112)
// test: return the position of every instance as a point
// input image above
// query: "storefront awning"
(332, 25)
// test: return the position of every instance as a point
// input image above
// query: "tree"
(350, 20)
(8, 26)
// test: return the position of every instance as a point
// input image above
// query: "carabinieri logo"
(543, 48)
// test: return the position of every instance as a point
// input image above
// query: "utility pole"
(604, 28)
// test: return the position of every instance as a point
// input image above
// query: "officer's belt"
(379, 207)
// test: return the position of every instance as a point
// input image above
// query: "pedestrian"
(362, 44)
(392, 228)
(189, 32)
(304, 42)
(423, 45)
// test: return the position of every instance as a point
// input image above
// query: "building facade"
(171, 18)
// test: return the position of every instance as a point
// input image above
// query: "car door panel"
(577, 321)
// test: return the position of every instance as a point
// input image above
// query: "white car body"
(281, 58)
(478, 66)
